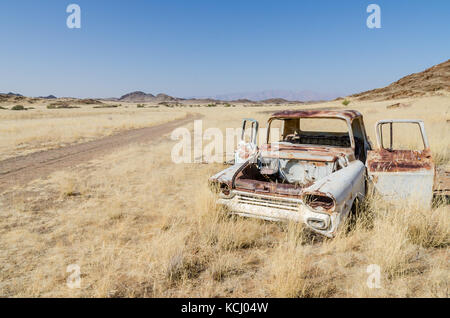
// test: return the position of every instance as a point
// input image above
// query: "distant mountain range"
(267, 96)
(262, 96)
(12, 94)
(289, 95)
(20, 95)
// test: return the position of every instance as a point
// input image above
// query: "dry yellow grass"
(142, 226)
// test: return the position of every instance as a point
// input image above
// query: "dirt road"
(22, 169)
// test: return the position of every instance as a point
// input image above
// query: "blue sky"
(206, 48)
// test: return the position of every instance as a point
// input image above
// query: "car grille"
(269, 202)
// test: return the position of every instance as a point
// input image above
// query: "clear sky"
(204, 48)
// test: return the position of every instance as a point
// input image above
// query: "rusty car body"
(316, 177)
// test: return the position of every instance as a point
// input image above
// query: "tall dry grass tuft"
(399, 232)
(429, 229)
(389, 246)
(440, 148)
(225, 265)
(222, 231)
(292, 270)
(200, 243)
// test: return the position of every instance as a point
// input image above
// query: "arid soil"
(19, 170)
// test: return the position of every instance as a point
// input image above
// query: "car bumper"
(273, 208)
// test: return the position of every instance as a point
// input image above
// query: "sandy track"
(22, 169)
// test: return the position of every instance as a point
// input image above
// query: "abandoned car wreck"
(316, 176)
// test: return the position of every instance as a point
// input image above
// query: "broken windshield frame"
(297, 120)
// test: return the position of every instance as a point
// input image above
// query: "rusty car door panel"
(401, 174)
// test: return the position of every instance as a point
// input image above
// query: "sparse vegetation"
(60, 105)
(170, 104)
(89, 101)
(106, 106)
(18, 107)
(345, 102)
(137, 233)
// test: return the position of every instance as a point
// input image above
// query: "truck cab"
(315, 173)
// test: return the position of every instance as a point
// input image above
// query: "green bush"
(345, 102)
(106, 106)
(18, 107)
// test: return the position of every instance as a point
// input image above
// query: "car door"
(247, 145)
(401, 174)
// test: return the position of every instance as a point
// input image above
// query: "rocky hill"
(140, 97)
(275, 101)
(433, 80)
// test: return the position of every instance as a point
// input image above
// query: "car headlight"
(318, 202)
(225, 191)
(222, 189)
(317, 223)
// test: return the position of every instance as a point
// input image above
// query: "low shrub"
(18, 107)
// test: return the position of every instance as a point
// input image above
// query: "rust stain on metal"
(399, 160)
(343, 114)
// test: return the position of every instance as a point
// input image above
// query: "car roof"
(346, 114)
